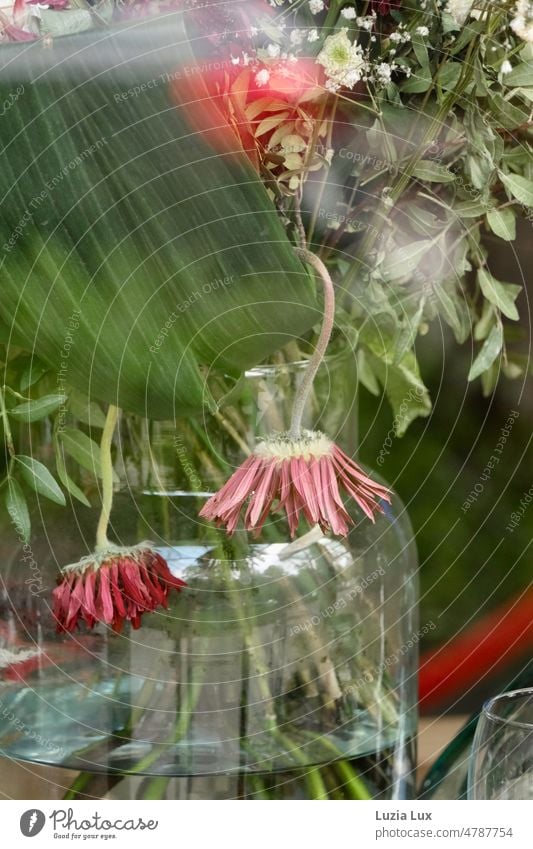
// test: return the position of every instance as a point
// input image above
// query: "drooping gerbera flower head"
(296, 476)
(113, 586)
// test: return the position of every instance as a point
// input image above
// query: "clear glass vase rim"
(503, 697)
(273, 369)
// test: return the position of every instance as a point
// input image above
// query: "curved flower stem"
(323, 340)
(102, 541)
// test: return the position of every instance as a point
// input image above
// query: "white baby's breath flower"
(349, 13)
(459, 10)
(383, 72)
(385, 196)
(422, 31)
(343, 62)
(316, 6)
(522, 23)
(297, 36)
(273, 50)
(262, 77)
(366, 23)
(313, 35)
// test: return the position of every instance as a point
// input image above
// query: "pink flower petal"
(307, 482)
(105, 602)
(236, 490)
(262, 496)
(304, 484)
(337, 516)
(75, 603)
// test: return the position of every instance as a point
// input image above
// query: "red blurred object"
(82, 651)
(383, 7)
(52, 4)
(19, 11)
(290, 81)
(16, 34)
(495, 640)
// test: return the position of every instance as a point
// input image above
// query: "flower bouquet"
(191, 190)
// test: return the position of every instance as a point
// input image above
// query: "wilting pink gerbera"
(112, 587)
(298, 476)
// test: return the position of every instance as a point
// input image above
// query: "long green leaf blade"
(140, 249)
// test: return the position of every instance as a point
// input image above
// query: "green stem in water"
(179, 731)
(323, 340)
(102, 542)
(352, 784)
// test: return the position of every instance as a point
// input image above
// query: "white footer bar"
(277, 825)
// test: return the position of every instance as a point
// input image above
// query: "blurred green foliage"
(469, 561)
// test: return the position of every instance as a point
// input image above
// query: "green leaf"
(67, 482)
(519, 187)
(502, 295)
(449, 75)
(525, 92)
(470, 208)
(365, 375)
(420, 50)
(17, 508)
(479, 169)
(423, 221)
(149, 252)
(73, 21)
(521, 75)
(36, 475)
(432, 172)
(502, 222)
(489, 379)
(408, 332)
(448, 309)
(507, 114)
(449, 24)
(490, 350)
(402, 261)
(82, 448)
(487, 319)
(418, 82)
(468, 31)
(34, 411)
(32, 375)
(86, 411)
(512, 370)
(404, 389)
